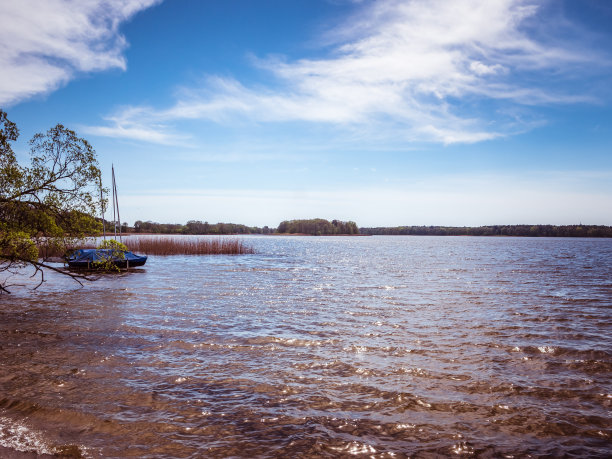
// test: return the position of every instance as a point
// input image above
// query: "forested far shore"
(194, 227)
(314, 226)
(323, 227)
(494, 230)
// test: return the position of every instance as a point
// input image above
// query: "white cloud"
(135, 124)
(45, 43)
(411, 70)
(482, 69)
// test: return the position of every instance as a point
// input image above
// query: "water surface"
(328, 347)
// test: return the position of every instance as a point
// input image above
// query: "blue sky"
(462, 112)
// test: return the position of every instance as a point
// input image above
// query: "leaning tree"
(48, 205)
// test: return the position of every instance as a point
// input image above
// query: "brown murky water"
(324, 347)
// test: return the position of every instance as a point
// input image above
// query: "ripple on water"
(324, 347)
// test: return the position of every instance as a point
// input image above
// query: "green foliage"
(318, 227)
(111, 244)
(496, 230)
(11, 177)
(315, 226)
(17, 245)
(196, 227)
(113, 250)
(52, 201)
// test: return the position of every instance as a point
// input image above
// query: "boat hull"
(93, 258)
(123, 264)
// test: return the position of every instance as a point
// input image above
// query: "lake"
(319, 346)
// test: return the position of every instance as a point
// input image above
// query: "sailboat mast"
(114, 215)
(102, 208)
(118, 215)
(116, 206)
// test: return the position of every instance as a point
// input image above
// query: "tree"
(46, 207)
(111, 250)
(317, 227)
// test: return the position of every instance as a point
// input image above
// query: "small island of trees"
(318, 227)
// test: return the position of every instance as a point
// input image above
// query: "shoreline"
(359, 235)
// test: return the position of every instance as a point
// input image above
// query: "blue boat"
(89, 258)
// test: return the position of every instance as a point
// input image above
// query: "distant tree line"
(321, 227)
(496, 230)
(194, 227)
(317, 227)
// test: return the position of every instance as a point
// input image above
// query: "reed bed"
(175, 245)
(187, 246)
(54, 251)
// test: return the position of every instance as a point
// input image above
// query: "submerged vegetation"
(187, 246)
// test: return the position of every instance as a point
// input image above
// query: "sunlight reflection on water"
(326, 346)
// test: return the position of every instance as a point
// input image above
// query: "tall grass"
(175, 245)
(187, 246)
(48, 249)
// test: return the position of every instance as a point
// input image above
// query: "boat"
(93, 258)
(100, 258)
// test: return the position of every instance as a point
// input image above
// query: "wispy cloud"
(555, 198)
(45, 43)
(136, 123)
(416, 70)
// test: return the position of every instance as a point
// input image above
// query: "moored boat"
(94, 258)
